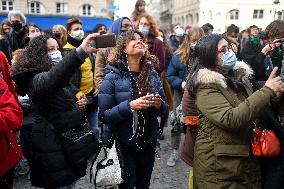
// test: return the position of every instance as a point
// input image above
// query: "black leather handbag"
(80, 144)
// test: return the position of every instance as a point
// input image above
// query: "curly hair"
(193, 35)
(154, 29)
(119, 53)
(275, 29)
(34, 56)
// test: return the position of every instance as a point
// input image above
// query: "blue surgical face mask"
(55, 56)
(144, 29)
(229, 59)
(179, 32)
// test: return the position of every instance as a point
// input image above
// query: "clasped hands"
(147, 101)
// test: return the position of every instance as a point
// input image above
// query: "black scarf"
(74, 42)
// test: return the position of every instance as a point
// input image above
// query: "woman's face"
(254, 31)
(141, 8)
(6, 28)
(33, 30)
(222, 48)
(125, 25)
(57, 32)
(144, 22)
(52, 45)
(135, 47)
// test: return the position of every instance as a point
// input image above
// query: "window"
(87, 10)
(258, 14)
(61, 7)
(197, 17)
(280, 15)
(7, 5)
(234, 14)
(35, 7)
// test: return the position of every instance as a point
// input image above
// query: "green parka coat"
(222, 157)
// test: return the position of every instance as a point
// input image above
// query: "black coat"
(261, 64)
(273, 168)
(54, 104)
(18, 41)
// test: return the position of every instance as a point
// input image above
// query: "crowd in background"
(215, 88)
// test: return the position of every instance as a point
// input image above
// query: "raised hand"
(275, 83)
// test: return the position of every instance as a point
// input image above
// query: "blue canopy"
(47, 22)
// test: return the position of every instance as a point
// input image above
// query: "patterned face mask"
(55, 56)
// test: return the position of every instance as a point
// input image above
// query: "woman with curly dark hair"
(44, 76)
(130, 100)
(147, 25)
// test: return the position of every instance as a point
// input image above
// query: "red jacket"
(11, 117)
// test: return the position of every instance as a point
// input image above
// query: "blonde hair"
(63, 31)
(193, 35)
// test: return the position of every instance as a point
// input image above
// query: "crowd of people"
(217, 89)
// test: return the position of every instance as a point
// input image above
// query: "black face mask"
(17, 26)
(57, 35)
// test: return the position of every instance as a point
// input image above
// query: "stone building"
(88, 8)
(221, 13)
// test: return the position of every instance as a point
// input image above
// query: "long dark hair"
(205, 53)
(203, 56)
(145, 66)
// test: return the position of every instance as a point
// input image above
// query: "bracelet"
(270, 46)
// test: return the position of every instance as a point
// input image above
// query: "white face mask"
(161, 38)
(179, 32)
(78, 34)
(55, 56)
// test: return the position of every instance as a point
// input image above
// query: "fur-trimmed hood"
(241, 71)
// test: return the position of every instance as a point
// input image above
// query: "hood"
(116, 26)
(241, 71)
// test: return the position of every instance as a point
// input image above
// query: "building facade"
(243, 13)
(166, 13)
(221, 13)
(88, 8)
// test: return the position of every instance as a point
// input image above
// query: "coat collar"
(206, 76)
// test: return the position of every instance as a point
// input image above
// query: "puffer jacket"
(222, 149)
(176, 72)
(55, 105)
(114, 103)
